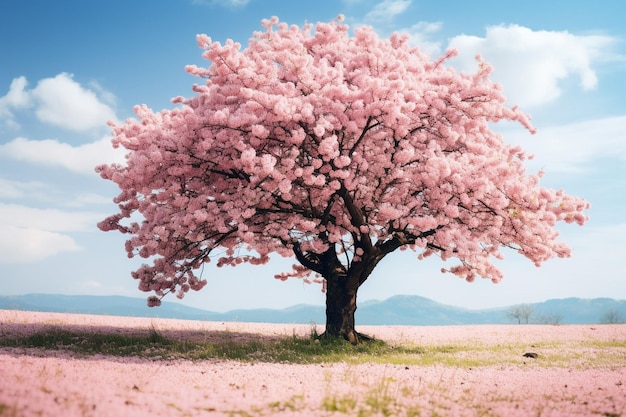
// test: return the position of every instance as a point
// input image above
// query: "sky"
(68, 67)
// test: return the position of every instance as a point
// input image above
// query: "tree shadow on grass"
(140, 344)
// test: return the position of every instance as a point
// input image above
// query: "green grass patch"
(309, 350)
(383, 399)
(605, 343)
(154, 345)
(295, 403)
(91, 343)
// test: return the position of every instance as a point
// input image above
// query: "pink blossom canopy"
(310, 138)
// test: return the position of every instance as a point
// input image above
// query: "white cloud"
(51, 152)
(45, 194)
(16, 98)
(105, 96)
(51, 220)
(59, 101)
(421, 34)
(29, 234)
(24, 245)
(530, 64)
(10, 189)
(381, 17)
(63, 102)
(386, 10)
(572, 147)
(88, 199)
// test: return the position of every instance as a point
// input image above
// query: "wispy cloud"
(224, 3)
(572, 148)
(17, 98)
(10, 189)
(531, 64)
(87, 199)
(382, 17)
(386, 10)
(422, 34)
(49, 219)
(30, 234)
(25, 245)
(51, 152)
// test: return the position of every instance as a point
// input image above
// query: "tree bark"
(342, 284)
(341, 291)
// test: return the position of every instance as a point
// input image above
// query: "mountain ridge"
(397, 310)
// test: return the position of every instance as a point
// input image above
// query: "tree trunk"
(341, 293)
(342, 284)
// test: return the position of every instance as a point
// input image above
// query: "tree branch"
(401, 238)
(309, 260)
(357, 219)
(232, 174)
(366, 129)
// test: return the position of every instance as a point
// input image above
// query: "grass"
(154, 345)
(312, 349)
(385, 397)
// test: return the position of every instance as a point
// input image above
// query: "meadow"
(81, 365)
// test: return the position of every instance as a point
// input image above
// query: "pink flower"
(313, 137)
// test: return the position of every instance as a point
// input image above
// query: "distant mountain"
(399, 310)
(416, 310)
(577, 310)
(101, 305)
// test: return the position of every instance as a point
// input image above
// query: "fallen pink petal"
(583, 382)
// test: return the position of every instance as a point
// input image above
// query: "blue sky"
(67, 67)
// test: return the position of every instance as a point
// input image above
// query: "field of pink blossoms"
(582, 382)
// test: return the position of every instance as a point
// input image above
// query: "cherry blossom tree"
(335, 149)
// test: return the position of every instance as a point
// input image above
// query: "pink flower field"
(580, 370)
